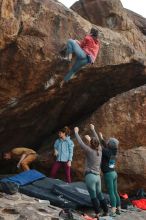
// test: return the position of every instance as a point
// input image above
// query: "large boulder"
(20, 206)
(31, 36)
(138, 20)
(33, 107)
(111, 14)
(106, 13)
(122, 117)
(132, 169)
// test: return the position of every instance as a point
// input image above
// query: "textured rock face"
(123, 117)
(8, 23)
(133, 163)
(21, 207)
(33, 107)
(29, 64)
(139, 21)
(31, 34)
(111, 14)
(18, 206)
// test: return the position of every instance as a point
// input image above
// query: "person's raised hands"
(76, 129)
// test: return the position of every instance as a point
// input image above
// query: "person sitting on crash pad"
(85, 51)
(25, 156)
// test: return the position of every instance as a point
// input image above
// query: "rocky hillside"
(33, 107)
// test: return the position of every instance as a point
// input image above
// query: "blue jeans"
(81, 58)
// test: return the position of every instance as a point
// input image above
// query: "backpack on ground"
(125, 201)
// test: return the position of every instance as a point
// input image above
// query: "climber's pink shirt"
(90, 46)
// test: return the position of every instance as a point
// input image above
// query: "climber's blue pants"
(81, 58)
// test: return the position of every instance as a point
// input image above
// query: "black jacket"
(107, 152)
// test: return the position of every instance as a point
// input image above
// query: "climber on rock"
(24, 155)
(85, 51)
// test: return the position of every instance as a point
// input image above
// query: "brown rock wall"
(122, 117)
(33, 106)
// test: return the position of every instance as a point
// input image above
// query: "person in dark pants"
(63, 150)
(86, 52)
(109, 153)
(93, 153)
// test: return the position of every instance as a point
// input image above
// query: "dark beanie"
(112, 143)
(94, 32)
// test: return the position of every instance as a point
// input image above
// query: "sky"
(138, 6)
